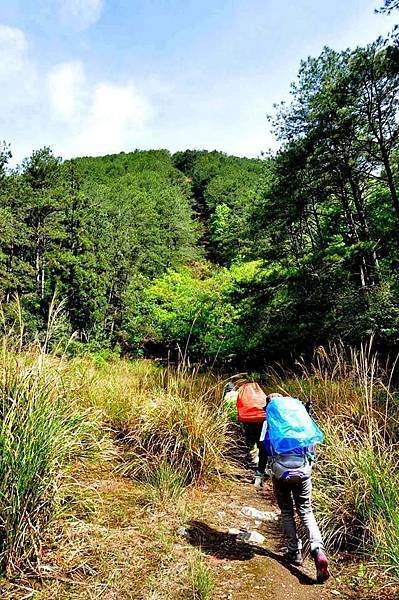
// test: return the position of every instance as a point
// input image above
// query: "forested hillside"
(226, 258)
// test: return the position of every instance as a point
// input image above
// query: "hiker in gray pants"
(292, 483)
(291, 495)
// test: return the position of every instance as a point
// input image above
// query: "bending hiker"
(289, 437)
(251, 403)
(229, 399)
(230, 396)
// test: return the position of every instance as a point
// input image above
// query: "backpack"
(291, 431)
(290, 427)
(291, 467)
(251, 402)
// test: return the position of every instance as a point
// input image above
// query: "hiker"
(251, 403)
(289, 435)
(230, 394)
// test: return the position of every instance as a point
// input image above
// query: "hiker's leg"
(302, 493)
(251, 434)
(282, 492)
(258, 453)
(256, 430)
(251, 437)
(262, 458)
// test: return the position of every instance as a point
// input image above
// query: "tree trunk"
(390, 181)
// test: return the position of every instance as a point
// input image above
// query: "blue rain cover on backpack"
(289, 425)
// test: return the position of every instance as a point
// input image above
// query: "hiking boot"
(294, 557)
(258, 482)
(254, 453)
(321, 562)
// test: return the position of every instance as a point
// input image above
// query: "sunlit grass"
(189, 436)
(159, 415)
(170, 434)
(202, 580)
(163, 486)
(42, 430)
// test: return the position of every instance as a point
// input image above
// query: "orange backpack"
(251, 402)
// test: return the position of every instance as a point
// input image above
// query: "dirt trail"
(127, 550)
(244, 571)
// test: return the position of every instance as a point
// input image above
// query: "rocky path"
(245, 570)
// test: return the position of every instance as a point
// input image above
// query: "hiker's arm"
(267, 446)
(311, 452)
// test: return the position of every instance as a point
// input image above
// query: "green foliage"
(154, 253)
(95, 230)
(224, 188)
(200, 311)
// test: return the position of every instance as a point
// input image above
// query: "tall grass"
(357, 493)
(42, 430)
(357, 475)
(116, 388)
(181, 424)
(159, 415)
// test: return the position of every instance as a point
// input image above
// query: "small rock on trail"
(243, 535)
(260, 515)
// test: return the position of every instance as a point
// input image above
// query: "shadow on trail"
(225, 547)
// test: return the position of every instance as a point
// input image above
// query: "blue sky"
(101, 76)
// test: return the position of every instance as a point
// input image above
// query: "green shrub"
(201, 579)
(198, 310)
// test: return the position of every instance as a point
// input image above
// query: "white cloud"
(18, 81)
(65, 108)
(66, 85)
(80, 14)
(96, 117)
(116, 114)
(62, 107)
(11, 37)
(13, 45)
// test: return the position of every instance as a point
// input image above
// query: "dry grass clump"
(120, 388)
(115, 388)
(163, 487)
(357, 493)
(186, 432)
(189, 578)
(161, 416)
(43, 431)
(346, 382)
